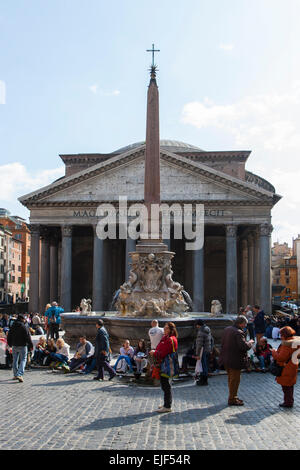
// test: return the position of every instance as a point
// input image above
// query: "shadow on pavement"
(117, 421)
(250, 417)
(187, 416)
(193, 415)
(62, 383)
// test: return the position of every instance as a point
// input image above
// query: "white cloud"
(17, 180)
(270, 121)
(268, 124)
(226, 47)
(95, 89)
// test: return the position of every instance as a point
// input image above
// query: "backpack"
(122, 366)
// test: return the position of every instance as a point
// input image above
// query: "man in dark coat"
(19, 339)
(203, 341)
(234, 356)
(102, 352)
(259, 322)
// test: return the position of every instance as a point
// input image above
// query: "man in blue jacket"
(53, 319)
(102, 352)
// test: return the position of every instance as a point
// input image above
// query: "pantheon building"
(69, 262)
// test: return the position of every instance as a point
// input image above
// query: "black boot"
(202, 381)
(205, 381)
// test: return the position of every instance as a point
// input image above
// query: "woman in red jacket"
(285, 357)
(167, 345)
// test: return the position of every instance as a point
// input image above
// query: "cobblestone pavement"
(55, 411)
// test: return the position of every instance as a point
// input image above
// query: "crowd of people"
(244, 346)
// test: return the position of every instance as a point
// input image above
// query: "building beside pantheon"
(69, 261)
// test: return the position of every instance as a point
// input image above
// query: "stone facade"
(20, 231)
(233, 266)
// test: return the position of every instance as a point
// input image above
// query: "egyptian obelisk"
(150, 290)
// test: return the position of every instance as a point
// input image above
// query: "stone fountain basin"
(121, 328)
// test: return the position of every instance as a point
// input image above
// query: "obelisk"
(152, 169)
(150, 290)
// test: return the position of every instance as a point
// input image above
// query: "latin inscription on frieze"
(92, 213)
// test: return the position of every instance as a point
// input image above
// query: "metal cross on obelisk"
(153, 50)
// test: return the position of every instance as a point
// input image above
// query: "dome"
(171, 145)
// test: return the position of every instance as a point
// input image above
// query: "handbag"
(275, 369)
(169, 367)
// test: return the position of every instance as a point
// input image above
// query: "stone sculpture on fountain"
(216, 308)
(86, 307)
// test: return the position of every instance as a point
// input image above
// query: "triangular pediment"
(181, 180)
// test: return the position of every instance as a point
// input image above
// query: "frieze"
(91, 213)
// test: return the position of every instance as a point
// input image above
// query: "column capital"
(66, 230)
(231, 230)
(265, 230)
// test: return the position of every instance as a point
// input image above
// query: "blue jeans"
(19, 360)
(90, 365)
(127, 359)
(205, 363)
(59, 357)
(261, 362)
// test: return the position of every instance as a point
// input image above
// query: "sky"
(74, 77)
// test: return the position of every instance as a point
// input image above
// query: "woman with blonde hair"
(39, 351)
(62, 354)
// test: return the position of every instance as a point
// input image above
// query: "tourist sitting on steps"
(140, 357)
(50, 348)
(263, 352)
(125, 359)
(61, 357)
(84, 350)
(39, 351)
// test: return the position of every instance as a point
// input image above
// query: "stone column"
(97, 304)
(53, 269)
(256, 267)
(45, 270)
(265, 267)
(66, 267)
(250, 269)
(245, 296)
(231, 269)
(198, 280)
(130, 246)
(34, 280)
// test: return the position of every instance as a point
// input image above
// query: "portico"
(69, 261)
